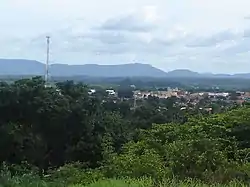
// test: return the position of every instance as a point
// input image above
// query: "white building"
(111, 92)
(91, 91)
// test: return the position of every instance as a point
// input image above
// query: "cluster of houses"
(239, 97)
(109, 91)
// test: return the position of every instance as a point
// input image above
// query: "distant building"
(246, 99)
(133, 86)
(91, 91)
(111, 92)
(218, 94)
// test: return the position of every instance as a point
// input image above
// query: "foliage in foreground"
(31, 181)
(70, 138)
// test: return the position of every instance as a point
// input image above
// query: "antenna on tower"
(47, 61)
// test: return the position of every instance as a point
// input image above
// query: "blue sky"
(201, 35)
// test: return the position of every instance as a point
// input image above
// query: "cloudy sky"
(200, 35)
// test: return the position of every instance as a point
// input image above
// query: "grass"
(28, 181)
(64, 178)
(170, 183)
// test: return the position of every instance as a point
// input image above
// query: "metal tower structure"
(47, 62)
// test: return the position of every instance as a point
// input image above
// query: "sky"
(200, 35)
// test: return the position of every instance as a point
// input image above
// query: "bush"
(74, 174)
(137, 161)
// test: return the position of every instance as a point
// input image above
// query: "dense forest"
(62, 136)
(222, 83)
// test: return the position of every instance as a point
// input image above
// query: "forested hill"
(22, 67)
(31, 67)
(65, 136)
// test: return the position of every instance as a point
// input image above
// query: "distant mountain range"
(9, 67)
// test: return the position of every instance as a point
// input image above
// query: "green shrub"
(137, 161)
(120, 183)
(74, 174)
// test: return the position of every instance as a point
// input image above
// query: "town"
(211, 102)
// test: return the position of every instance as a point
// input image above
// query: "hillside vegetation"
(51, 137)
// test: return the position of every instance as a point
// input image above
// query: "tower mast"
(47, 61)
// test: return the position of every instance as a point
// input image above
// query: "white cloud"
(197, 34)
